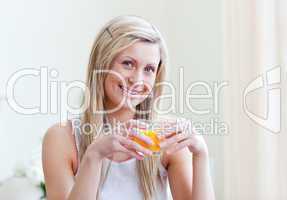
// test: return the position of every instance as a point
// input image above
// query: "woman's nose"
(136, 78)
(136, 82)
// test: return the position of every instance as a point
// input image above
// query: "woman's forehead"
(142, 52)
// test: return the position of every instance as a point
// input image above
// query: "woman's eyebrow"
(124, 56)
(135, 60)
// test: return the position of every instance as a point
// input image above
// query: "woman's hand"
(180, 138)
(116, 145)
(189, 176)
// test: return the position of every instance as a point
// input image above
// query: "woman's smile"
(135, 91)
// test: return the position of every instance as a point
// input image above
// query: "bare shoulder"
(58, 135)
(58, 131)
(59, 143)
(58, 159)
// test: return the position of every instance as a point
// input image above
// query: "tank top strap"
(76, 131)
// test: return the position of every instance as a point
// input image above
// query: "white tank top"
(122, 182)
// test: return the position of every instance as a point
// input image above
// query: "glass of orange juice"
(155, 146)
(156, 131)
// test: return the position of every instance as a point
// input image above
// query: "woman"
(127, 62)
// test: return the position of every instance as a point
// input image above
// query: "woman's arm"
(188, 164)
(180, 174)
(189, 176)
(202, 183)
(58, 152)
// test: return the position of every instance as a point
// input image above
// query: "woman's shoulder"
(59, 142)
(59, 132)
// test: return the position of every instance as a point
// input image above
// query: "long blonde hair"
(117, 35)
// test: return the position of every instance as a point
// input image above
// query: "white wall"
(59, 34)
(195, 41)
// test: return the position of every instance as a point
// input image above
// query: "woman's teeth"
(130, 92)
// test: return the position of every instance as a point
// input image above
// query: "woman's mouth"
(129, 92)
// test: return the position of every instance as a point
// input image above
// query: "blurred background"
(228, 45)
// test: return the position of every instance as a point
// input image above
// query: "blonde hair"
(117, 35)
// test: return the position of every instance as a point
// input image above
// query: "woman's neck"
(121, 115)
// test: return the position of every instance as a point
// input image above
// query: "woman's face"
(136, 69)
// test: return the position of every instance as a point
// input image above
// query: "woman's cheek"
(151, 85)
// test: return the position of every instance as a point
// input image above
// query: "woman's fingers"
(135, 133)
(173, 140)
(133, 145)
(129, 152)
(195, 143)
(179, 146)
(167, 135)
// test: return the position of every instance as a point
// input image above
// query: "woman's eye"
(128, 64)
(150, 69)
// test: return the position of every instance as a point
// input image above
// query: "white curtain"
(255, 55)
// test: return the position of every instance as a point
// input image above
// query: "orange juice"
(153, 136)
